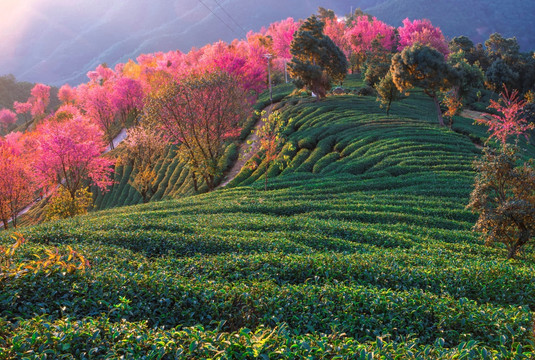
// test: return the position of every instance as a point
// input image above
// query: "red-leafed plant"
(510, 120)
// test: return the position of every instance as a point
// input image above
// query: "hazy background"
(58, 41)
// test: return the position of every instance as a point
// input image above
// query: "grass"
(361, 248)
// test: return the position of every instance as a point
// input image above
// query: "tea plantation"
(361, 248)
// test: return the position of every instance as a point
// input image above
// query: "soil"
(247, 150)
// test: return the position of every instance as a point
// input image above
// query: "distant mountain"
(476, 19)
(60, 40)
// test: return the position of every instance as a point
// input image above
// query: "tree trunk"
(523, 238)
(5, 224)
(145, 197)
(266, 178)
(439, 112)
(194, 179)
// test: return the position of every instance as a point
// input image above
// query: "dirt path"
(472, 114)
(247, 150)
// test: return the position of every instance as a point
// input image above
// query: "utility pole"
(286, 70)
(268, 57)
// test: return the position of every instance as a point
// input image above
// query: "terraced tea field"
(361, 248)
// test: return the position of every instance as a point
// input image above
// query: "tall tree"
(144, 148)
(199, 113)
(425, 67)
(282, 34)
(387, 92)
(424, 33)
(16, 181)
(362, 35)
(504, 197)
(127, 97)
(7, 118)
(499, 47)
(67, 94)
(40, 98)
(96, 101)
(69, 155)
(316, 60)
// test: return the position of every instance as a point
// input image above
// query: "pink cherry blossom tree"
(361, 35)
(127, 97)
(7, 118)
(16, 179)
(39, 99)
(96, 102)
(67, 94)
(423, 32)
(69, 153)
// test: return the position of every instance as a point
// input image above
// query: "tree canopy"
(316, 60)
(423, 66)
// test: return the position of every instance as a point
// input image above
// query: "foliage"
(387, 92)
(454, 105)
(500, 74)
(499, 47)
(96, 101)
(67, 94)
(270, 136)
(16, 180)
(461, 43)
(424, 33)
(509, 119)
(69, 154)
(378, 64)
(469, 76)
(315, 58)
(39, 99)
(368, 35)
(370, 238)
(53, 261)
(504, 197)
(144, 148)
(282, 34)
(7, 118)
(199, 113)
(423, 66)
(127, 97)
(63, 205)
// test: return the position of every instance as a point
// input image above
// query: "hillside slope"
(362, 246)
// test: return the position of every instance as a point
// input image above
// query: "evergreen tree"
(387, 92)
(425, 67)
(316, 60)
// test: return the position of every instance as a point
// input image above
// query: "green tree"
(378, 64)
(499, 74)
(387, 92)
(424, 67)
(324, 14)
(502, 48)
(461, 43)
(316, 60)
(470, 76)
